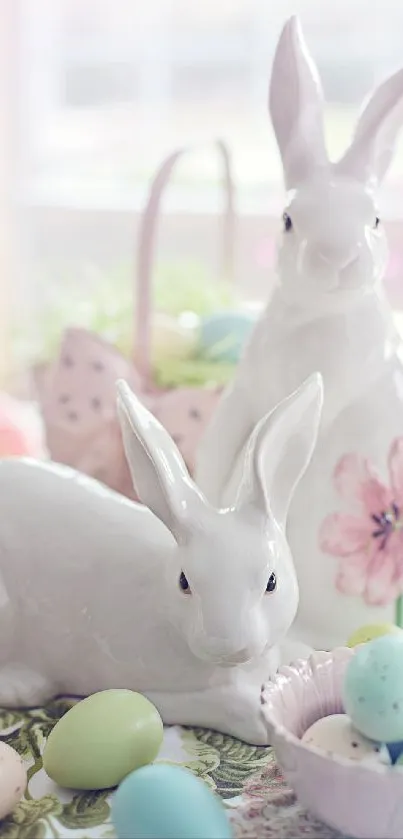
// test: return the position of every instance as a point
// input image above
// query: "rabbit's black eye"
(287, 222)
(377, 222)
(183, 584)
(272, 583)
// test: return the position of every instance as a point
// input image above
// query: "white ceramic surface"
(98, 592)
(328, 313)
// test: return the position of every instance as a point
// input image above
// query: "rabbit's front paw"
(244, 718)
(253, 731)
(235, 711)
(22, 687)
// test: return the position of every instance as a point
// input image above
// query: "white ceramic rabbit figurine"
(182, 602)
(328, 313)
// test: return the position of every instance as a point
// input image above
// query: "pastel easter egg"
(336, 735)
(373, 689)
(102, 739)
(171, 338)
(13, 442)
(372, 631)
(21, 429)
(223, 335)
(13, 779)
(167, 802)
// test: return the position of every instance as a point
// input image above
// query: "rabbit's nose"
(337, 256)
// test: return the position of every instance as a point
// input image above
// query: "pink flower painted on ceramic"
(368, 539)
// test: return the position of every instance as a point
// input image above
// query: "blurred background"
(95, 93)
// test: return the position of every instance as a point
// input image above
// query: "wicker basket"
(77, 391)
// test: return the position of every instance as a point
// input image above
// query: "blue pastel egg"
(223, 335)
(373, 689)
(162, 801)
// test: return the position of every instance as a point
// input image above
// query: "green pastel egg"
(102, 739)
(368, 633)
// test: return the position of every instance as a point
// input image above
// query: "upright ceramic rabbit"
(182, 602)
(328, 313)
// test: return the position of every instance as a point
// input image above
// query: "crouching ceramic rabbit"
(328, 313)
(180, 601)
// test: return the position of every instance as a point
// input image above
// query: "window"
(106, 90)
(132, 80)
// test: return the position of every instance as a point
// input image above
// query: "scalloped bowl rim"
(281, 732)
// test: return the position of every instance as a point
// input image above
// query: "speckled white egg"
(13, 779)
(337, 736)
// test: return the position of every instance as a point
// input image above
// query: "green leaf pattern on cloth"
(230, 763)
(86, 810)
(246, 777)
(31, 818)
(9, 719)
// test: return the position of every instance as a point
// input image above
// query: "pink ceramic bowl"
(359, 800)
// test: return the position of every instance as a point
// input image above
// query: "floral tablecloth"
(247, 778)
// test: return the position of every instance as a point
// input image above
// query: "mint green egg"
(224, 335)
(167, 802)
(373, 689)
(102, 739)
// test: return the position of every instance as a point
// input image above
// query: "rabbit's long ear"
(371, 150)
(158, 471)
(280, 449)
(296, 107)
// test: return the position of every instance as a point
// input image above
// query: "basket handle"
(146, 249)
